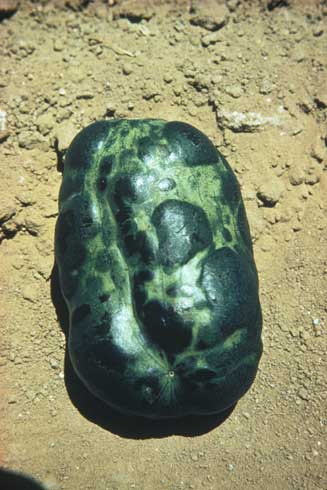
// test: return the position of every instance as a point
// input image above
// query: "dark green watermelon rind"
(156, 267)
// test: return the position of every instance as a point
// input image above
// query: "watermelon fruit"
(156, 266)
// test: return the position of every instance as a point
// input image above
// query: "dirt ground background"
(252, 76)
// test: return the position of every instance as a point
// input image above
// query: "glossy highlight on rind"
(156, 266)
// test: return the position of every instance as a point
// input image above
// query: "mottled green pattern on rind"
(157, 269)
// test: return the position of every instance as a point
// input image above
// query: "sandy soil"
(252, 76)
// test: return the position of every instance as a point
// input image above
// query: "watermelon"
(156, 266)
